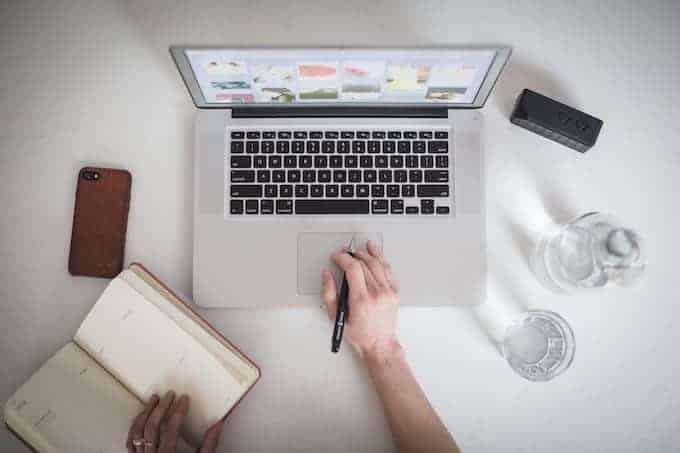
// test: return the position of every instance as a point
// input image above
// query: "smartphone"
(100, 222)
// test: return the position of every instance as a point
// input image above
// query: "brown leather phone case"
(100, 222)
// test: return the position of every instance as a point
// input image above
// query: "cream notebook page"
(149, 352)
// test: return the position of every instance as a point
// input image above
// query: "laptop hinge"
(335, 112)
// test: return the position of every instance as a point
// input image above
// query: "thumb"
(329, 292)
(212, 438)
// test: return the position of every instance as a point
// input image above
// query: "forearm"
(414, 423)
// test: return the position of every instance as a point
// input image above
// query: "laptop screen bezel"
(501, 56)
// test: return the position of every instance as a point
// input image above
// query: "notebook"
(138, 339)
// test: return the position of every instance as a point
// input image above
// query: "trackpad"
(314, 254)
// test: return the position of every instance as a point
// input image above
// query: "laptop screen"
(337, 76)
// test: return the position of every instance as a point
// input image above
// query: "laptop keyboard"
(345, 172)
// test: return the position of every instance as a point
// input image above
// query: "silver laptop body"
(275, 258)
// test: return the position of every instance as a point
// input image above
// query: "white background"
(92, 83)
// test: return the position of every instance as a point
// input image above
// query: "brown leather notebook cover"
(100, 222)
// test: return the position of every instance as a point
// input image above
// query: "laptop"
(297, 151)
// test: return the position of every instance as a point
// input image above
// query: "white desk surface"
(91, 82)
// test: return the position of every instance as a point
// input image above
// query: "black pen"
(342, 314)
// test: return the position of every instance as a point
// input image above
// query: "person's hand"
(373, 302)
(156, 429)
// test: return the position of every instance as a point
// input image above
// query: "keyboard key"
(284, 206)
(396, 161)
(433, 190)
(427, 206)
(260, 161)
(320, 161)
(339, 176)
(363, 134)
(335, 162)
(301, 191)
(362, 190)
(305, 162)
(354, 175)
(358, 147)
(286, 190)
(370, 176)
(246, 191)
(308, 176)
(419, 147)
(300, 135)
(443, 210)
(438, 147)
(393, 190)
(394, 134)
(426, 161)
(408, 190)
(377, 191)
(389, 147)
(263, 176)
(366, 161)
(298, 147)
(328, 147)
(332, 135)
(266, 206)
(284, 135)
(269, 134)
(379, 206)
(236, 206)
(324, 176)
(347, 134)
(236, 147)
(343, 147)
(252, 147)
(242, 176)
(332, 191)
(271, 190)
(274, 161)
(410, 134)
(283, 147)
(411, 161)
(380, 161)
(443, 135)
(400, 176)
(347, 191)
(290, 162)
(294, 176)
(252, 206)
(412, 210)
(279, 176)
(313, 147)
(331, 207)
(373, 147)
(267, 147)
(425, 135)
(316, 134)
(397, 206)
(442, 161)
(238, 135)
(378, 134)
(436, 176)
(351, 162)
(385, 176)
(415, 176)
(240, 161)
(316, 190)
(404, 147)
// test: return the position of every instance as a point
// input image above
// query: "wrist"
(382, 353)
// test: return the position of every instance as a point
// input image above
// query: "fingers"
(153, 424)
(375, 267)
(353, 271)
(212, 438)
(375, 252)
(170, 431)
(137, 428)
(329, 292)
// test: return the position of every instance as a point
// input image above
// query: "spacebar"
(331, 206)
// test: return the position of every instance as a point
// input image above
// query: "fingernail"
(170, 394)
